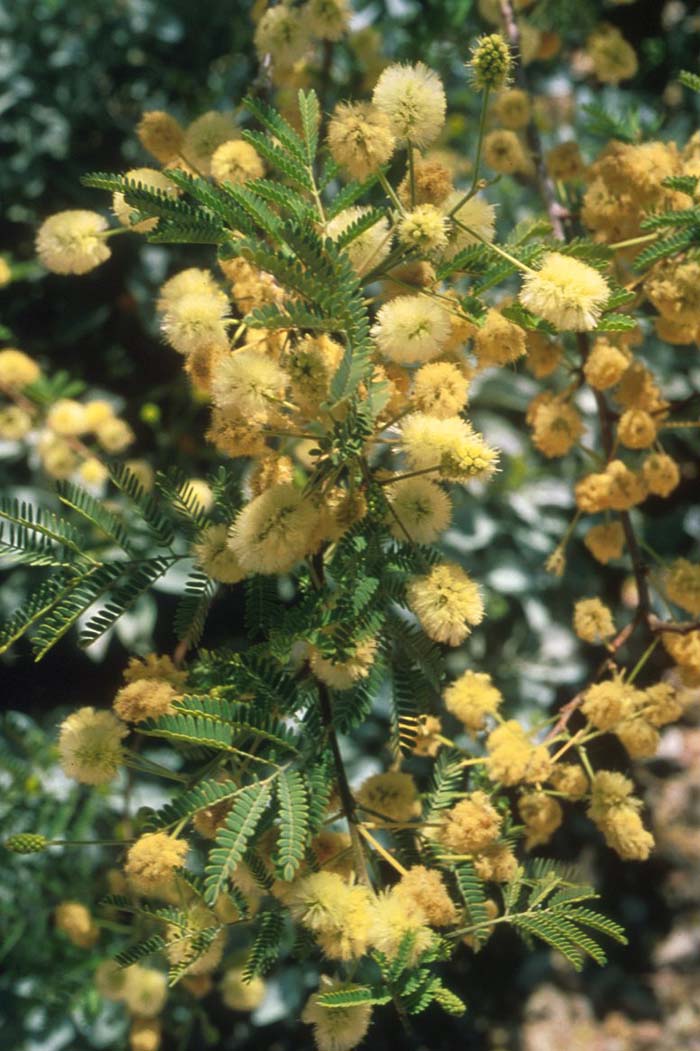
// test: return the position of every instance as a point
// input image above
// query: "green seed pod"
(26, 843)
(491, 63)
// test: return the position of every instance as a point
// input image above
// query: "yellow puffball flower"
(413, 99)
(566, 292)
(236, 161)
(392, 920)
(683, 585)
(471, 825)
(213, 553)
(239, 994)
(605, 365)
(114, 435)
(564, 162)
(607, 703)
(593, 620)
(336, 1028)
(15, 423)
(614, 58)
(447, 602)
(152, 860)
(72, 242)
(93, 472)
(196, 320)
(193, 280)
(661, 474)
(504, 152)
(411, 329)
(67, 418)
(248, 383)
(472, 698)
(328, 19)
(90, 746)
(370, 248)
(77, 924)
(425, 889)
(343, 674)
(512, 757)
(204, 136)
(149, 179)
(471, 223)
(17, 369)
(161, 135)
(424, 228)
(338, 913)
(636, 429)
(145, 991)
(283, 34)
(440, 389)
(513, 108)
(498, 341)
(360, 138)
(275, 531)
(605, 541)
(542, 815)
(393, 795)
(420, 509)
(557, 427)
(144, 699)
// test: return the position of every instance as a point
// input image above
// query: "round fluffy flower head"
(491, 63)
(564, 161)
(605, 365)
(161, 135)
(471, 698)
(541, 815)
(145, 1034)
(413, 99)
(614, 59)
(76, 923)
(625, 834)
(411, 329)
(17, 369)
(311, 364)
(152, 860)
(513, 108)
(662, 704)
(683, 585)
(213, 553)
(144, 699)
(472, 825)
(440, 389)
(627, 488)
(114, 435)
(145, 991)
(151, 180)
(371, 247)
(90, 746)
(566, 292)
(685, 650)
(275, 530)
(247, 382)
(238, 994)
(283, 34)
(328, 19)
(153, 666)
(67, 418)
(72, 242)
(110, 980)
(182, 944)
(636, 429)
(514, 758)
(610, 790)
(338, 913)
(605, 541)
(420, 508)
(639, 738)
(237, 162)
(605, 704)
(425, 889)
(593, 620)
(360, 138)
(342, 675)
(391, 922)
(194, 321)
(557, 427)
(661, 474)
(204, 136)
(498, 864)
(473, 222)
(15, 423)
(569, 779)
(186, 282)
(425, 228)
(543, 355)
(499, 341)
(447, 603)
(450, 445)
(336, 1028)
(504, 152)
(393, 795)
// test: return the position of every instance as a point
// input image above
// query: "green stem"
(495, 248)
